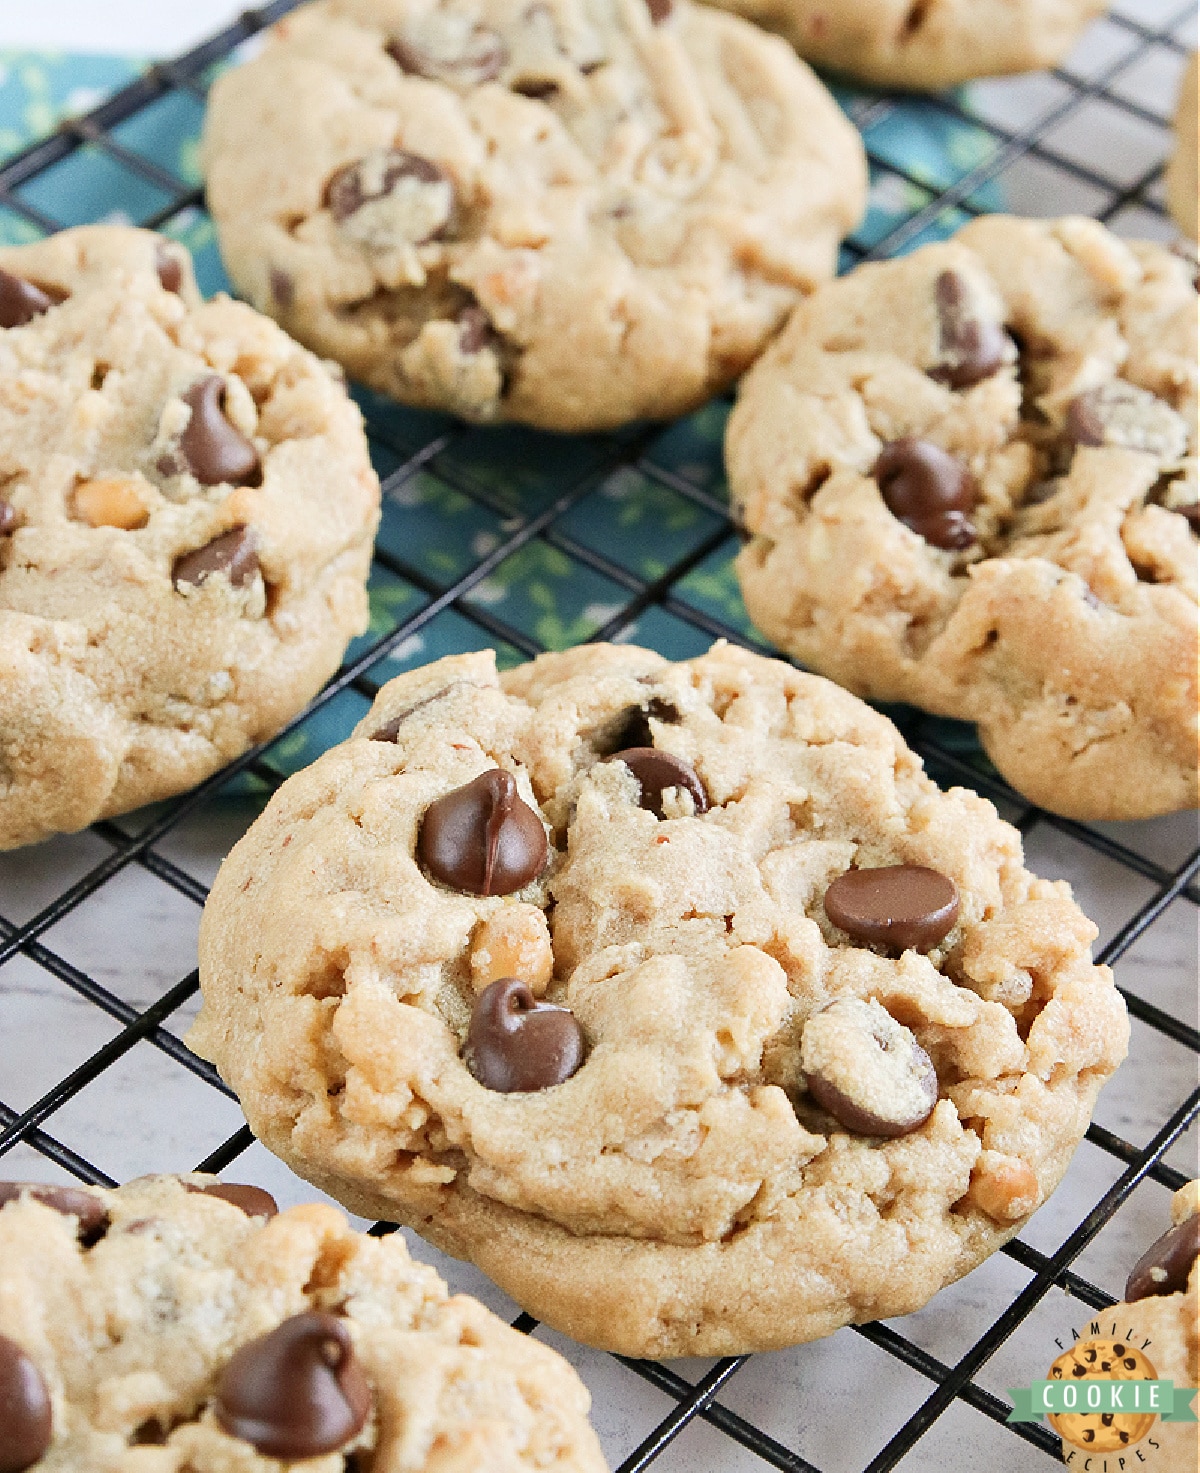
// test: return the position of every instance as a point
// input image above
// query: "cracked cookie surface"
(925, 43)
(572, 213)
(186, 515)
(660, 1179)
(970, 480)
(146, 1338)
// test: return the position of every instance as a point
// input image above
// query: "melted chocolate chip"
(483, 838)
(972, 347)
(169, 268)
(377, 176)
(903, 906)
(1121, 413)
(253, 1201)
(475, 331)
(298, 1392)
(866, 1070)
(660, 10)
(8, 517)
(480, 60)
(21, 301)
(633, 726)
(928, 490)
(234, 554)
(214, 450)
(74, 1202)
(658, 772)
(25, 1413)
(516, 1044)
(1164, 1268)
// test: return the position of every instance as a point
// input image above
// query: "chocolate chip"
(475, 331)
(283, 288)
(660, 10)
(972, 348)
(632, 728)
(516, 1044)
(928, 490)
(297, 1392)
(658, 772)
(21, 301)
(1120, 413)
(8, 517)
(479, 60)
(483, 838)
(25, 1415)
(904, 906)
(169, 267)
(234, 554)
(868, 1071)
(1190, 514)
(214, 450)
(1164, 1268)
(417, 214)
(536, 88)
(253, 1201)
(74, 1202)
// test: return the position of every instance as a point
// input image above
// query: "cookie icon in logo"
(1102, 1360)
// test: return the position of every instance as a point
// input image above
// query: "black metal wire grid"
(445, 455)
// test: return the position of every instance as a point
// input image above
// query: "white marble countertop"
(147, 1113)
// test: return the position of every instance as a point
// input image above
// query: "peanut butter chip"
(516, 1045)
(868, 1071)
(1164, 1268)
(483, 838)
(298, 1392)
(86, 1207)
(905, 906)
(25, 1413)
(215, 451)
(21, 301)
(928, 490)
(233, 555)
(111, 503)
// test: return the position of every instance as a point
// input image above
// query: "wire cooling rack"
(523, 542)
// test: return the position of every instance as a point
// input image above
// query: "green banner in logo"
(1172, 1403)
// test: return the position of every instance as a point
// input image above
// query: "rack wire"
(681, 605)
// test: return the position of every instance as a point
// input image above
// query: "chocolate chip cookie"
(572, 213)
(186, 515)
(674, 995)
(180, 1323)
(970, 481)
(1154, 1334)
(1181, 176)
(918, 44)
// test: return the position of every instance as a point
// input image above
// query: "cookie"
(969, 477)
(674, 995)
(1159, 1329)
(1181, 176)
(186, 515)
(915, 44)
(573, 213)
(179, 1323)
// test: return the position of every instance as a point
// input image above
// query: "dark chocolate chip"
(535, 87)
(25, 1414)
(169, 267)
(660, 771)
(475, 331)
(70, 1201)
(516, 1044)
(483, 838)
(234, 554)
(1190, 514)
(972, 348)
(1122, 414)
(8, 517)
(21, 301)
(481, 60)
(215, 450)
(253, 1201)
(377, 176)
(283, 288)
(868, 1071)
(1164, 1268)
(633, 726)
(903, 906)
(928, 490)
(660, 10)
(297, 1392)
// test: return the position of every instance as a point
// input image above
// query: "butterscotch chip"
(186, 519)
(707, 1118)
